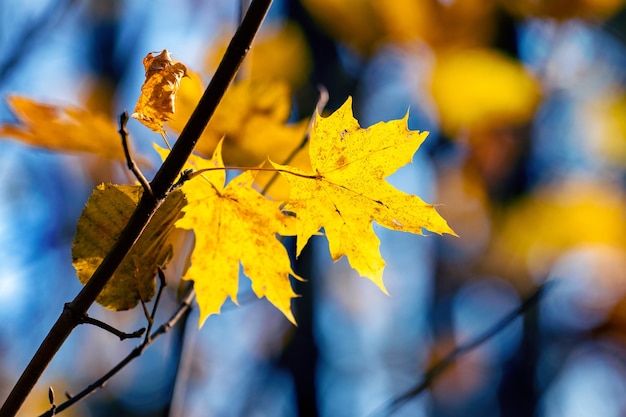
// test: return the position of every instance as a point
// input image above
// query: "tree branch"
(461, 350)
(148, 205)
(183, 308)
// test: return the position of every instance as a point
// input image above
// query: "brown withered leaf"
(108, 210)
(158, 93)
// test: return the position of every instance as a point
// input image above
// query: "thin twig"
(144, 308)
(461, 350)
(85, 319)
(182, 309)
(183, 365)
(146, 208)
(122, 335)
(162, 284)
(129, 159)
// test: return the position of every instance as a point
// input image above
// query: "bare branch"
(122, 335)
(183, 308)
(461, 350)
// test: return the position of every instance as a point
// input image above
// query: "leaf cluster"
(340, 187)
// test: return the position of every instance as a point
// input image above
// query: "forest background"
(526, 107)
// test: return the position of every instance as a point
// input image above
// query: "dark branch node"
(184, 177)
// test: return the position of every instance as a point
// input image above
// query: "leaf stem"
(148, 205)
(193, 174)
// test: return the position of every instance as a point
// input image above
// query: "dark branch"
(129, 159)
(461, 350)
(148, 205)
(183, 308)
(85, 319)
(122, 335)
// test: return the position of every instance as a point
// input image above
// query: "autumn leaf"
(346, 189)
(63, 129)
(107, 211)
(156, 104)
(234, 225)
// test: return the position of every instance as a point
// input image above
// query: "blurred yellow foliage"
(558, 217)
(563, 9)
(607, 127)
(280, 53)
(253, 119)
(482, 88)
(364, 24)
(63, 129)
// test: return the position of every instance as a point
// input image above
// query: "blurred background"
(525, 102)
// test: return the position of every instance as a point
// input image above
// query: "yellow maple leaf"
(346, 189)
(234, 224)
(63, 129)
(156, 104)
(107, 211)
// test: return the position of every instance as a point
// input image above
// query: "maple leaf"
(346, 189)
(63, 129)
(107, 211)
(234, 224)
(156, 104)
